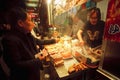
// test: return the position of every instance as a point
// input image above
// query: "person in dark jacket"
(20, 47)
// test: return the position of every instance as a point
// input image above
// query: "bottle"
(47, 76)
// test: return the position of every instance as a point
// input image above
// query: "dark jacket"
(19, 50)
(3, 70)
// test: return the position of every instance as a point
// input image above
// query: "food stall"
(68, 59)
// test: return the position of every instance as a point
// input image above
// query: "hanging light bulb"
(48, 1)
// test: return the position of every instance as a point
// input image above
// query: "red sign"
(112, 26)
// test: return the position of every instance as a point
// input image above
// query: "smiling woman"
(28, 25)
(20, 47)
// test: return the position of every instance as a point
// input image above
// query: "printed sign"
(112, 26)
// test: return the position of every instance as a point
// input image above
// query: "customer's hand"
(40, 56)
(57, 39)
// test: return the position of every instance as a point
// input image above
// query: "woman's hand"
(40, 56)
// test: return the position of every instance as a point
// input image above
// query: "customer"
(20, 47)
(92, 33)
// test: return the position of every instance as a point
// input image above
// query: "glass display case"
(63, 13)
(66, 17)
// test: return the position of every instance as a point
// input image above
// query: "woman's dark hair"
(14, 15)
(93, 10)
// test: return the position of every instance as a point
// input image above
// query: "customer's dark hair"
(14, 15)
(93, 10)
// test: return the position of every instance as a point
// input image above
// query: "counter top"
(63, 70)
